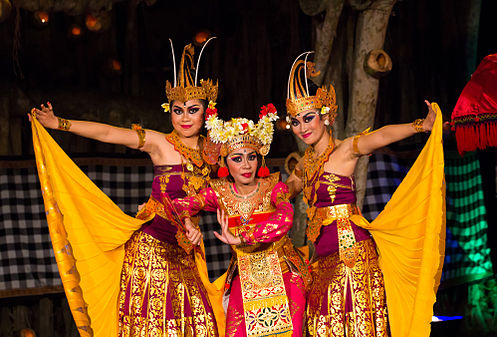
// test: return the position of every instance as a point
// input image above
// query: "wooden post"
(370, 34)
(45, 317)
(325, 36)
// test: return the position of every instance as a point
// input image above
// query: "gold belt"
(335, 212)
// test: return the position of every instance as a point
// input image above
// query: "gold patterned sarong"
(329, 314)
(161, 292)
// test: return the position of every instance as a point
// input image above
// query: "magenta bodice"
(170, 176)
(335, 189)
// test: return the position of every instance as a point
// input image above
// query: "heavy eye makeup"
(309, 117)
(306, 119)
(237, 158)
(177, 109)
(193, 109)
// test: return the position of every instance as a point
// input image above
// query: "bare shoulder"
(343, 146)
(162, 152)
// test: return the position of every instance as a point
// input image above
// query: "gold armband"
(141, 134)
(64, 124)
(418, 125)
(354, 144)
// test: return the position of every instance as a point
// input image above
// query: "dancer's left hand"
(192, 233)
(430, 118)
(225, 235)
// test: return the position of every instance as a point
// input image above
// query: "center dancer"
(267, 277)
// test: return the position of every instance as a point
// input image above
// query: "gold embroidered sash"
(265, 301)
(324, 216)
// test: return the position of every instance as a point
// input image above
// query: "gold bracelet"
(64, 124)
(418, 125)
(141, 134)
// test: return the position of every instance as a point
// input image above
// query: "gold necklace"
(313, 169)
(193, 155)
(198, 169)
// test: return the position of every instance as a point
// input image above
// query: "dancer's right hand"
(192, 233)
(45, 116)
(225, 235)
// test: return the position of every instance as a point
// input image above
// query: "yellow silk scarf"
(410, 236)
(88, 233)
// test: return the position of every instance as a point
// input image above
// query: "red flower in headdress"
(267, 109)
(245, 128)
(211, 110)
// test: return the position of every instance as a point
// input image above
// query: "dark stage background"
(118, 76)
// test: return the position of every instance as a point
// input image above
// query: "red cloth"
(475, 114)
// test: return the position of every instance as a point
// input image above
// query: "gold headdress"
(298, 98)
(185, 85)
(238, 133)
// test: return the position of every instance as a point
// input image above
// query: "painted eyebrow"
(241, 154)
(175, 105)
(309, 113)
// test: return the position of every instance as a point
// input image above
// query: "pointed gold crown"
(298, 98)
(185, 85)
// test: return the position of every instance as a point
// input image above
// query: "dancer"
(267, 276)
(160, 290)
(347, 296)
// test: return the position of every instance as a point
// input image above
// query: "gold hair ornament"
(298, 98)
(185, 86)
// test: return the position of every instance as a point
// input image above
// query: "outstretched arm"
(98, 131)
(368, 143)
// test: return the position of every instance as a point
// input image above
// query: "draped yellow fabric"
(215, 291)
(410, 236)
(88, 233)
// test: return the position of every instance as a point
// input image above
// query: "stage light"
(92, 23)
(41, 18)
(445, 318)
(201, 37)
(75, 31)
(97, 22)
(115, 65)
(27, 333)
